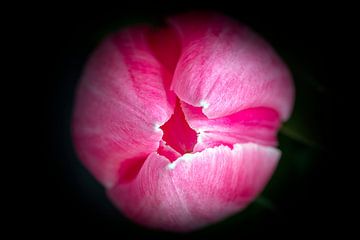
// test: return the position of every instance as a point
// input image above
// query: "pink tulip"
(179, 123)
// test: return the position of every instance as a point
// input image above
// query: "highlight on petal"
(196, 189)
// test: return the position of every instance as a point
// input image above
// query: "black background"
(311, 39)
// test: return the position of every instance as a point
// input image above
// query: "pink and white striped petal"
(196, 189)
(122, 99)
(225, 67)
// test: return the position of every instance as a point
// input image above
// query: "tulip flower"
(179, 122)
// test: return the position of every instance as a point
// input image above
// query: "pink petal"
(122, 99)
(196, 189)
(258, 125)
(167, 151)
(225, 67)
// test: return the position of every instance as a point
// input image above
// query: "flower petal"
(196, 189)
(258, 125)
(225, 67)
(121, 101)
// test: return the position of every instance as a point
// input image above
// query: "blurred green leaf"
(265, 203)
(297, 135)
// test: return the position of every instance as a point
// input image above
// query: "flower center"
(177, 132)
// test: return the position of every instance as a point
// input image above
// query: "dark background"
(306, 194)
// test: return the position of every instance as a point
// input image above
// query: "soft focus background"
(302, 196)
